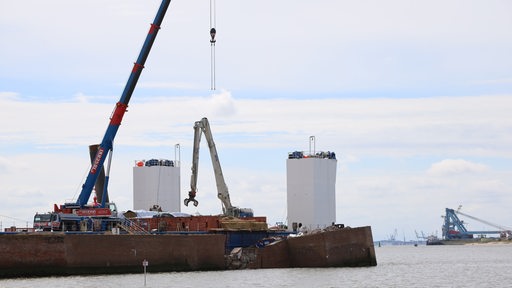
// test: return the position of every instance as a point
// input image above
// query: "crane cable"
(213, 33)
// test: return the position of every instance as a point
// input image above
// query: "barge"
(61, 253)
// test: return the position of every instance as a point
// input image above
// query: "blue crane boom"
(120, 108)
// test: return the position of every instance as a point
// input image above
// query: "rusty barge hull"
(52, 254)
(348, 247)
(37, 254)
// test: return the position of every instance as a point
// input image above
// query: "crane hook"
(213, 32)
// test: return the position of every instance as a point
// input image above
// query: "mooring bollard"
(145, 264)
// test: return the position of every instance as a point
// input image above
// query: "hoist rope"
(213, 67)
(212, 14)
(213, 32)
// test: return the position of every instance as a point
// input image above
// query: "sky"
(414, 98)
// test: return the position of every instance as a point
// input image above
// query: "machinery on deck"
(454, 228)
(71, 216)
(203, 127)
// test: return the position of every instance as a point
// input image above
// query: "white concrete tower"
(311, 189)
(156, 184)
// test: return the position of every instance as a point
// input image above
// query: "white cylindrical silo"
(156, 184)
(311, 190)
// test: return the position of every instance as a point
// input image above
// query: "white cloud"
(495, 81)
(446, 126)
(456, 166)
(81, 98)
(222, 104)
(161, 85)
(8, 95)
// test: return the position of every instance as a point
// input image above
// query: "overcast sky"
(413, 96)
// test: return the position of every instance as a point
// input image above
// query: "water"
(486, 265)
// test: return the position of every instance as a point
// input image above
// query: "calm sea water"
(486, 265)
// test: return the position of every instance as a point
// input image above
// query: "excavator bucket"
(192, 198)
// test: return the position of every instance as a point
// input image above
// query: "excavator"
(203, 127)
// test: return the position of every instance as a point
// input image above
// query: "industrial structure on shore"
(455, 230)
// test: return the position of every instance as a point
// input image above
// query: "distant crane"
(503, 229)
(454, 228)
(393, 236)
(422, 235)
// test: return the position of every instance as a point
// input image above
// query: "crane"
(120, 108)
(454, 228)
(203, 127)
(80, 208)
(502, 229)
